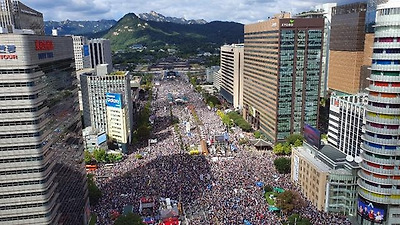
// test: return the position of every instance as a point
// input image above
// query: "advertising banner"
(114, 100)
(373, 212)
(312, 135)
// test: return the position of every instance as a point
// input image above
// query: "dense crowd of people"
(213, 190)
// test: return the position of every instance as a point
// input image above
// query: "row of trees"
(293, 140)
(282, 165)
(101, 156)
(232, 118)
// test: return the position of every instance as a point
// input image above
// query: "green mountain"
(188, 38)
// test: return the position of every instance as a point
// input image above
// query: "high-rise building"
(379, 177)
(81, 52)
(15, 15)
(350, 49)
(346, 121)
(323, 11)
(43, 178)
(281, 78)
(95, 87)
(100, 53)
(232, 58)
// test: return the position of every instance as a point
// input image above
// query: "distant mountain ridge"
(130, 30)
(154, 16)
(69, 27)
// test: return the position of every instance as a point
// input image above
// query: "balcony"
(384, 78)
(374, 198)
(380, 140)
(383, 89)
(377, 130)
(380, 151)
(378, 190)
(384, 99)
(386, 56)
(379, 160)
(380, 120)
(385, 45)
(382, 110)
(381, 171)
(385, 67)
(376, 180)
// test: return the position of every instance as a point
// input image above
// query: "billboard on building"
(114, 100)
(371, 211)
(101, 138)
(85, 50)
(312, 135)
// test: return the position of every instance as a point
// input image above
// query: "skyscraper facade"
(94, 95)
(232, 74)
(350, 49)
(16, 15)
(81, 52)
(282, 66)
(42, 178)
(379, 177)
(346, 121)
(100, 53)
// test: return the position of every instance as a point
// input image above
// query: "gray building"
(100, 53)
(39, 171)
(16, 15)
(94, 88)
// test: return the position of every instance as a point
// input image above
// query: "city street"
(213, 190)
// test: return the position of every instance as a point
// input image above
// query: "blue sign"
(7, 49)
(373, 212)
(85, 50)
(101, 138)
(114, 100)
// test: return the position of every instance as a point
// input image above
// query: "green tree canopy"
(257, 134)
(282, 165)
(100, 155)
(129, 219)
(289, 200)
(291, 139)
(278, 149)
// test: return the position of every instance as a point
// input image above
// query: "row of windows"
(390, 11)
(15, 123)
(21, 195)
(12, 148)
(36, 216)
(21, 97)
(20, 183)
(19, 71)
(25, 171)
(28, 159)
(36, 134)
(34, 109)
(23, 84)
(9, 207)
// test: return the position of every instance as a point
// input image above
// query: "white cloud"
(243, 11)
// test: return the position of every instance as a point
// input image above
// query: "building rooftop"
(306, 153)
(333, 153)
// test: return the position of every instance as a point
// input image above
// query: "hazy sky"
(243, 11)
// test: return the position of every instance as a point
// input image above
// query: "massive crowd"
(213, 190)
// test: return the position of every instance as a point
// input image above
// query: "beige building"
(326, 178)
(231, 77)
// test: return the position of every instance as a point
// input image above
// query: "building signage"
(114, 100)
(290, 24)
(8, 52)
(44, 45)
